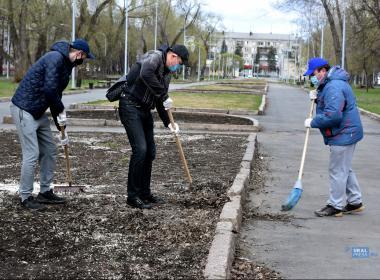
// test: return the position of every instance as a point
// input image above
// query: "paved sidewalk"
(307, 246)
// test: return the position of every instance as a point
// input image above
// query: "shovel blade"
(293, 198)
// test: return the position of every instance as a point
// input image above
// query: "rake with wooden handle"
(179, 145)
(70, 187)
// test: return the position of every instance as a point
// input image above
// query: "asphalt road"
(308, 246)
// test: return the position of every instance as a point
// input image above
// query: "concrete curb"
(370, 114)
(262, 105)
(5, 99)
(263, 101)
(222, 251)
(71, 92)
(180, 109)
(184, 126)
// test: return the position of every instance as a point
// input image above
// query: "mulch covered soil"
(96, 235)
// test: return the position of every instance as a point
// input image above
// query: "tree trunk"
(3, 43)
(20, 39)
(334, 33)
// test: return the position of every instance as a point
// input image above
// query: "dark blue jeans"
(138, 124)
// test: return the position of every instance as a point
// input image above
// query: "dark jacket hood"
(63, 47)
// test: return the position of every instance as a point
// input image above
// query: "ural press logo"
(361, 252)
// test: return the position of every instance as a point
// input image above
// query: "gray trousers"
(343, 182)
(37, 144)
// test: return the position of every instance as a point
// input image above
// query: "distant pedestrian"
(40, 89)
(148, 85)
(338, 119)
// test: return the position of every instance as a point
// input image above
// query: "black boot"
(32, 204)
(50, 198)
(138, 203)
(153, 199)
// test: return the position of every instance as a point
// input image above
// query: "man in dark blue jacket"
(40, 89)
(338, 119)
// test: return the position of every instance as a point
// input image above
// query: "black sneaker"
(353, 208)
(138, 203)
(50, 198)
(32, 204)
(327, 211)
(153, 199)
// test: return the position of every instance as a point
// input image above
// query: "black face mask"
(78, 61)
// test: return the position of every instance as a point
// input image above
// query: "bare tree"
(20, 39)
(190, 12)
(209, 25)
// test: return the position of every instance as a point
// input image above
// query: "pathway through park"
(307, 246)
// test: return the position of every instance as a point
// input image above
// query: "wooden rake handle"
(306, 142)
(179, 145)
(66, 149)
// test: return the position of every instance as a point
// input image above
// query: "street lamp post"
(220, 57)
(233, 66)
(155, 28)
(209, 56)
(199, 62)
(126, 38)
(74, 8)
(184, 43)
(344, 36)
(8, 47)
(323, 27)
(213, 64)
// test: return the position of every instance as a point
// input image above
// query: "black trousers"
(138, 124)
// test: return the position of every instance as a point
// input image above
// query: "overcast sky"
(258, 16)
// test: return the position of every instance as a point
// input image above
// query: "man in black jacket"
(40, 89)
(148, 84)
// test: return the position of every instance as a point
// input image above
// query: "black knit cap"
(182, 52)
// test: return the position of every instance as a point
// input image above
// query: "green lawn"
(226, 101)
(368, 100)
(229, 101)
(221, 87)
(7, 88)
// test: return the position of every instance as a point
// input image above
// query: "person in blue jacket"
(40, 89)
(338, 120)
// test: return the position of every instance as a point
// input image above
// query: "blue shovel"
(295, 194)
